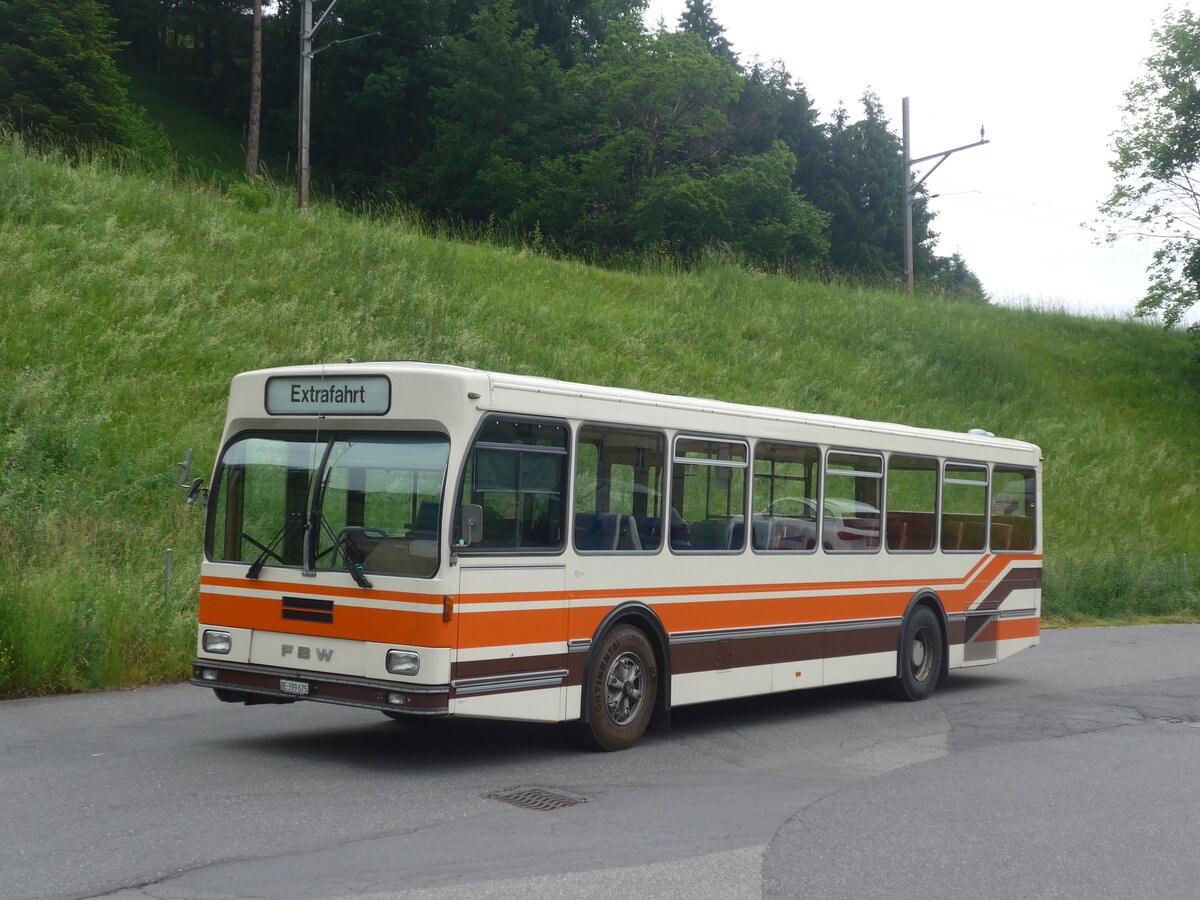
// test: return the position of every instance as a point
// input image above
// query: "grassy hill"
(128, 301)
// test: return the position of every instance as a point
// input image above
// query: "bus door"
(511, 603)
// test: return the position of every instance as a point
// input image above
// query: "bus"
(431, 540)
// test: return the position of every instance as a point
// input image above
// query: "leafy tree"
(1157, 167)
(495, 115)
(862, 188)
(574, 30)
(658, 162)
(57, 70)
(659, 101)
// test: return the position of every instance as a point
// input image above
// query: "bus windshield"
(369, 500)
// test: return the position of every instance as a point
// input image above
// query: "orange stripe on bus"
(1018, 628)
(488, 627)
(349, 622)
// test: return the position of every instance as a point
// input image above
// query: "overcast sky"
(1045, 77)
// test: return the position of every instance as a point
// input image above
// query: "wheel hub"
(623, 688)
(920, 659)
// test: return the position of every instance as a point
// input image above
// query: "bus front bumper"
(236, 682)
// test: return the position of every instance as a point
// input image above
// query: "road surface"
(1069, 770)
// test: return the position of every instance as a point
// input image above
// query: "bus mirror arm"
(195, 488)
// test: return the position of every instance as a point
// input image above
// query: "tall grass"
(127, 301)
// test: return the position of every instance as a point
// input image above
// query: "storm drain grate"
(535, 798)
(1190, 721)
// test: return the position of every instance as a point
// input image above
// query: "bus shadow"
(442, 744)
(424, 744)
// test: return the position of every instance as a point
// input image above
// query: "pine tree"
(698, 19)
(57, 70)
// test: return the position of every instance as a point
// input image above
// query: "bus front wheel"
(622, 690)
(920, 656)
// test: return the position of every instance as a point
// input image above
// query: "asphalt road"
(1067, 771)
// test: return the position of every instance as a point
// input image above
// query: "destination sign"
(354, 395)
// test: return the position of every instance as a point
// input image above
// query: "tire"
(921, 656)
(622, 690)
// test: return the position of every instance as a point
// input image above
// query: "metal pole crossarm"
(338, 43)
(321, 21)
(946, 153)
(943, 155)
(908, 188)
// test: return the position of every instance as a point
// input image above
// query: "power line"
(1011, 212)
(1068, 212)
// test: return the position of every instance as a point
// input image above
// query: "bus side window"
(1014, 503)
(708, 495)
(517, 474)
(912, 492)
(853, 495)
(618, 489)
(964, 506)
(785, 497)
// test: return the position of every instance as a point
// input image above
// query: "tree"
(255, 121)
(1157, 167)
(951, 277)
(862, 188)
(698, 19)
(494, 115)
(653, 107)
(57, 70)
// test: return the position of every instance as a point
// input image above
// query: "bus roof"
(502, 383)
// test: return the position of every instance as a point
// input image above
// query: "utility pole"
(307, 32)
(909, 188)
(254, 126)
(303, 168)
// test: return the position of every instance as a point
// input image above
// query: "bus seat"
(951, 533)
(737, 534)
(1001, 536)
(764, 533)
(973, 537)
(711, 534)
(628, 537)
(596, 531)
(425, 523)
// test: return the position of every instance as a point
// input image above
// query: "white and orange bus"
(432, 540)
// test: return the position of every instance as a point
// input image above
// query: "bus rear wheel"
(622, 690)
(920, 656)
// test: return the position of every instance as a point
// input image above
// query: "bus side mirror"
(470, 525)
(186, 467)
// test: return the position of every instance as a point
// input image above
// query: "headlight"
(217, 642)
(403, 662)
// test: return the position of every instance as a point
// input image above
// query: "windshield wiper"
(341, 542)
(268, 550)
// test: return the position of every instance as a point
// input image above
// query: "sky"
(1046, 79)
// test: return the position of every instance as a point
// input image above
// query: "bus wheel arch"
(630, 649)
(922, 654)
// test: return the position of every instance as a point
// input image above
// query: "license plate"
(293, 687)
